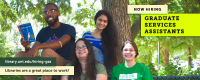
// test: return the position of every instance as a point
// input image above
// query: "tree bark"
(189, 58)
(166, 57)
(117, 9)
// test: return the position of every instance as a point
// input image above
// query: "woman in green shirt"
(85, 66)
(130, 69)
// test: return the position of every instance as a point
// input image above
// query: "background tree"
(187, 46)
(128, 25)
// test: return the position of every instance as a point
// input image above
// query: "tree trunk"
(118, 8)
(166, 57)
(189, 58)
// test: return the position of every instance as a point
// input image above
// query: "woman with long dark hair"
(104, 40)
(85, 66)
(130, 69)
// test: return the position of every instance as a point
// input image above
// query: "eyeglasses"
(131, 50)
(79, 48)
(50, 11)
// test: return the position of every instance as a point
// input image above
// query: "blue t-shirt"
(47, 35)
(97, 46)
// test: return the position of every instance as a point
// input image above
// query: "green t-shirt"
(100, 70)
(137, 72)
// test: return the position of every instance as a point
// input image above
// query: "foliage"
(197, 72)
(189, 6)
(13, 11)
(85, 13)
(176, 45)
(186, 71)
(152, 69)
(16, 9)
(14, 77)
(174, 7)
(174, 70)
(11, 77)
(181, 45)
(3, 48)
(169, 70)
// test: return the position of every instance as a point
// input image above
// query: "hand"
(23, 43)
(32, 52)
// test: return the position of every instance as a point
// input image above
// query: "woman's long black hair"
(109, 41)
(90, 65)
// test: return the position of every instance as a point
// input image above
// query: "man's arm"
(53, 45)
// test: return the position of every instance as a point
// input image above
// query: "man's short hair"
(52, 4)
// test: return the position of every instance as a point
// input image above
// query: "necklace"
(54, 32)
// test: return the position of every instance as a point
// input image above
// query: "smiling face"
(51, 14)
(129, 52)
(101, 22)
(81, 50)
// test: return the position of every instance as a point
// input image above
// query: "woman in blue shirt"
(104, 40)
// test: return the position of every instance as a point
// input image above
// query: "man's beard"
(54, 22)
